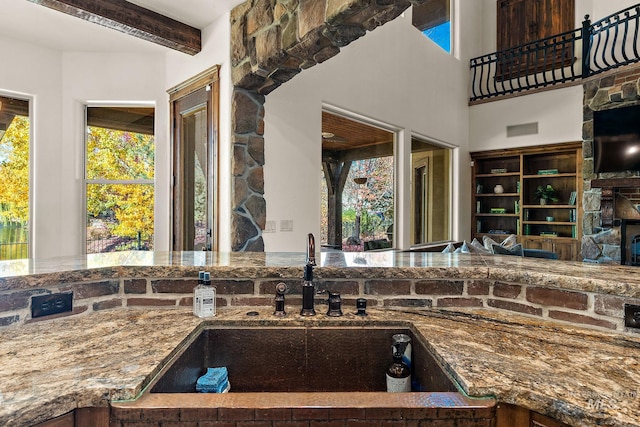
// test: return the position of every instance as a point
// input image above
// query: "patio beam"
(133, 20)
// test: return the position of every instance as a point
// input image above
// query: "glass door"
(430, 192)
(194, 169)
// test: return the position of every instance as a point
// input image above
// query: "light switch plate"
(286, 225)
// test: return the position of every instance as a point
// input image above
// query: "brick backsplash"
(557, 298)
(514, 306)
(506, 290)
(586, 309)
(439, 287)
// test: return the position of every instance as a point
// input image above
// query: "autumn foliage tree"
(114, 155)
(14, 173)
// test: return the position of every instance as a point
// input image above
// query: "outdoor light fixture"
(360, 181)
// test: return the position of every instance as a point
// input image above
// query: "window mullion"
(119, 181)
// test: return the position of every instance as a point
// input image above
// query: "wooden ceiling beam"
(133, 20)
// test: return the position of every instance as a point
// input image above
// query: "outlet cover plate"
(46, 305)
(286, 225)
(632, 316)
(270, 227)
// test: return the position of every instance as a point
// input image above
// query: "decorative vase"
(498, 189)
(543, 202)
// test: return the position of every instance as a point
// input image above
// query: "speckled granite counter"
(581, 377)
(611, 279)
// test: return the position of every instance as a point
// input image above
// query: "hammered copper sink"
(299, 375)
(299, 359)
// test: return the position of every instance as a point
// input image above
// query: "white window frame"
(87, 182)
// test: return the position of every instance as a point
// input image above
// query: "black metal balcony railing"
(609, 43)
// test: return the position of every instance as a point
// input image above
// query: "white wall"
(110, 78)
(179, 67)
(558, 112)
(61, 83)
(606, 8)
(393, 75)
(33, 72)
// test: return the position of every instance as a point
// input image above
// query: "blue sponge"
(216, 380)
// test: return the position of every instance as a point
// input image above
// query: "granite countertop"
(581, 377)
(607, 279)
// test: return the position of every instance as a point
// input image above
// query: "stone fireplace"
(612, 201)
(609, 199)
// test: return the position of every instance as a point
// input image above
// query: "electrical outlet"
(632, 316)
(46, 305)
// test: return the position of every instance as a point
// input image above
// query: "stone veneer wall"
(616, 89)
(271, 42)
(589, 309)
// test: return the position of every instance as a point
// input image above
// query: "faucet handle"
(281, 288)
(335, 304)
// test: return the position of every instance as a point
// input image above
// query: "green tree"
(14, 172)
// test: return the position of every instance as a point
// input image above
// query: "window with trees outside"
(358, 196)
(14, 178)
(119, 177)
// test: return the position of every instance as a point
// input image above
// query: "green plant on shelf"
(546, 193)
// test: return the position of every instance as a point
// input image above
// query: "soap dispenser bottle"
(205, 298)
(195, 297)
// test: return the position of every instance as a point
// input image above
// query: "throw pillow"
(478, 247)
(506, 243)
(513, 250)
(449, 249)
(510, 241)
